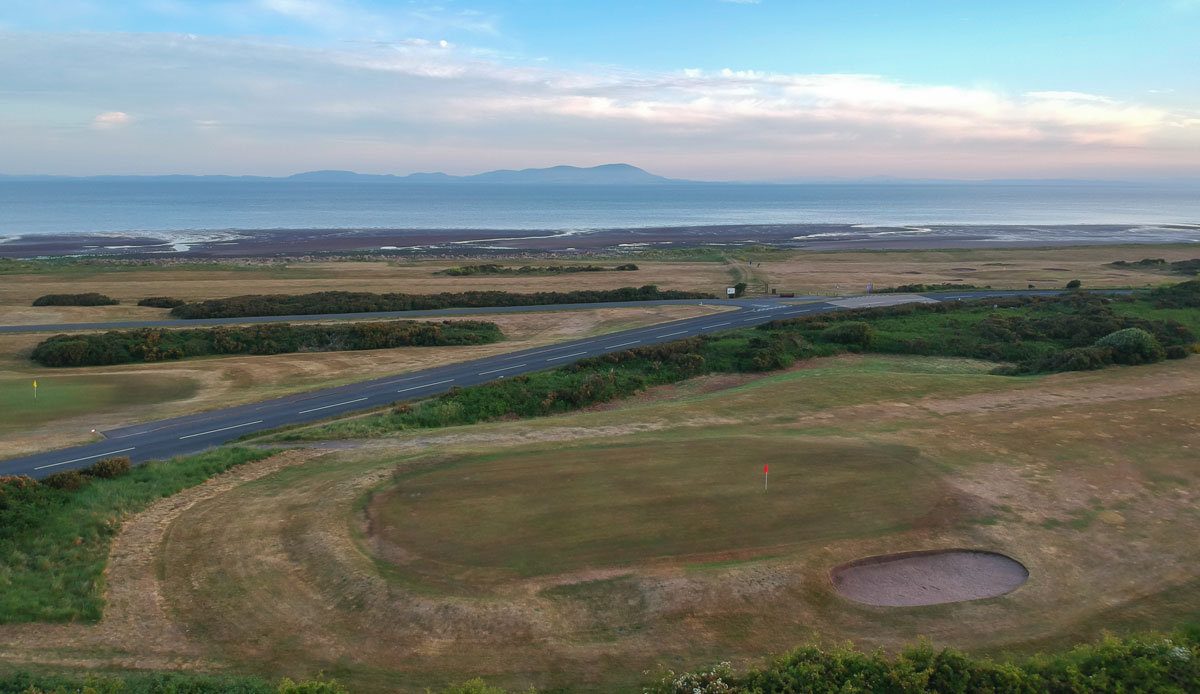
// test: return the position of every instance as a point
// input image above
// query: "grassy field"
(110, 396)
(823, 273)
(583, 549)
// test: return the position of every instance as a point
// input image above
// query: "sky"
(701, 89)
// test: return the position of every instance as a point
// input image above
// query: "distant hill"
(607, 174)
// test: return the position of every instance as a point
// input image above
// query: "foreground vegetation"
(54, 538)
(1146, 663)
(154, 344)
(1137, 664)
(363, 302)
(1070, 332)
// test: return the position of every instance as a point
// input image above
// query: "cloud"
(258, 106)
(111, 120)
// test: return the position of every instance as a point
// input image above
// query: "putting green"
(555, 510)
(61, 396)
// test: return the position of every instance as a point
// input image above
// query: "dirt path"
(136, 630)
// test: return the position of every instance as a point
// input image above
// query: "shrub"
(853, 333)
(66, 480)
(1074, 284)
(1182, 295)
(107, 468)
(87, 299)
(315, 686)
(1177, 352)
(161, 302)
(739, 289)
(475, 686)
(364, 302)
(1132, 346)
(155, 344)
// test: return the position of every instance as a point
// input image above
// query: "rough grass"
(53, 548)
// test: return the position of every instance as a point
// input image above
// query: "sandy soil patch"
(928, 578)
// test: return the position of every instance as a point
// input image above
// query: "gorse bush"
(86, 299)
(494, 269)
(1132, 346)
(919, 288)
(155, 344)
(108, 468)
(363, 302)
(161, 302)
(1117, 666)
(1182, 267)
(852, 333)
(1182, 295)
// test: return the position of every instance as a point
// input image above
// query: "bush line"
(494, 269)
(154, 344)
(86, 299)
(364, 302)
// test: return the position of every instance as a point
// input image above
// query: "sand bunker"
(928, 578)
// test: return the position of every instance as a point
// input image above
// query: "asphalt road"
(193, 433)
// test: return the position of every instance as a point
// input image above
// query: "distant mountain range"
(607, 174)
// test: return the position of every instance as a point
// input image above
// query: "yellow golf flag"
(35, 384)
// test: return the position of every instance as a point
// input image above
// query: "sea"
(190, 210)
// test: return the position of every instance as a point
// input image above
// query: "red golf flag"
(766, 468)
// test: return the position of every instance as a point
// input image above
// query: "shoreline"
(265, 243)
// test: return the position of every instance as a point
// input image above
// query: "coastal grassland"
(55, 542)
(496, 549)
(198, 282)
(849, 272)
(699, 269)
(120, 395)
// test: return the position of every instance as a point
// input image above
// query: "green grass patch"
(537, 512)
(54, 543)
(62, 396)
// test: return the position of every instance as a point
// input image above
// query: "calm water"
(92, 206)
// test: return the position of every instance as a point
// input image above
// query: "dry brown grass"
(822, 273)
(227, 381)
(17, 292)
(1086, 478)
